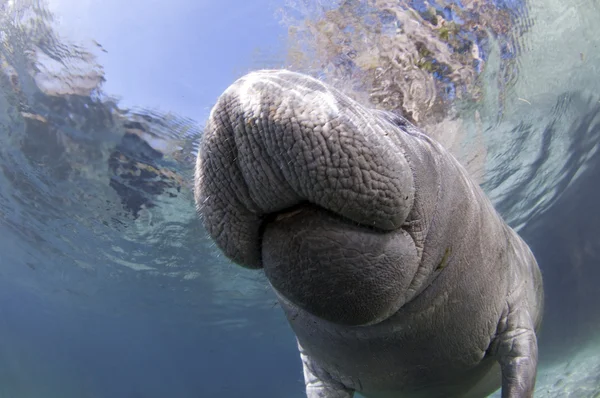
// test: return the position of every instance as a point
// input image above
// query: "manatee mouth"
(337, 269)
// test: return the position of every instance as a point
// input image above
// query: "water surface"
(109, 287)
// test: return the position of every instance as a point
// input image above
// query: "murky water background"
(108, 284)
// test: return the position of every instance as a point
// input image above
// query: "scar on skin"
(444, 261)
(283, 216)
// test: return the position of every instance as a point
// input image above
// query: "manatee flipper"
(319, 386)
(518, 354)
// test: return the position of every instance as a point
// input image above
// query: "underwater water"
(109, 286)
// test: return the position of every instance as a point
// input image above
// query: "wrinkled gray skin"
(396, 274)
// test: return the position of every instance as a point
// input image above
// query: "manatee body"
(395, 272)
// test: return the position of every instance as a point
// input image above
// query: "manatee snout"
(337, 269)
(276, 139)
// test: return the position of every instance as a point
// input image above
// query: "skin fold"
(395, 272)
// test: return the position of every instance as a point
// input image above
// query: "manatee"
(395, 272)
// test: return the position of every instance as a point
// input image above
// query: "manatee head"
(296, 178)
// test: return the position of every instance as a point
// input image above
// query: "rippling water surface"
(109, 286)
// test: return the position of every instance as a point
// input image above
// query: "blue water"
(109, 286)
